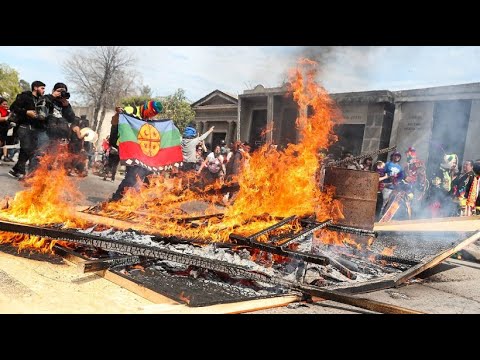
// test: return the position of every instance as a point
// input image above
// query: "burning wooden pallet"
(167, 249)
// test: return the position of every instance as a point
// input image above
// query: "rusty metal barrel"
(357, 191)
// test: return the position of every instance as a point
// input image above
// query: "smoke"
(342, 68)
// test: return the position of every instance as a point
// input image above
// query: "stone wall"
(412, 126)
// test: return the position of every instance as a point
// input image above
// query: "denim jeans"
(42, 142)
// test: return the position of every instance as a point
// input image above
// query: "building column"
(230, 134)
(239, 114)
(200, 127)
(269, 134)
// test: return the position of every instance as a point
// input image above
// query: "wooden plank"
(136, 288)
(116, 279)
(105, 264)
(469, 264)
(438, 227)
(430, 220)
(230, 308)
(362, 303)
(434, 260)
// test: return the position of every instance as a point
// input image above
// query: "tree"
(177, 108)
(135, 100)
(25, 85)
(9, 82)
(146, 91)
(101, 75)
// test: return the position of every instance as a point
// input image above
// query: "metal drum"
(357, 191)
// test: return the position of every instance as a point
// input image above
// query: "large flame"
(273, 183)
(50, 197)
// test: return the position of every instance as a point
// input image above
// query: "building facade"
(217, 109)
(435, 120)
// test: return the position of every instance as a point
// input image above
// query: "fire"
(274, 184)
(184, 298)
(388, 251)
(49, 198)
(24, 242)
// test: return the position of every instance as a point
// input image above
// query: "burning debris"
(280, 235)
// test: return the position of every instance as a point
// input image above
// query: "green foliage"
(177, 108)
(146, 91)
(135, 100)
(25, 85)
(9, 83)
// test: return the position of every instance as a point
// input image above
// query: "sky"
(201, 69)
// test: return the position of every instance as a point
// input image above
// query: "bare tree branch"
(99, 74)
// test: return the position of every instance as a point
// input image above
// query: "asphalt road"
(93, 187)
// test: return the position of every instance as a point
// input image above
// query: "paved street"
(94, 188)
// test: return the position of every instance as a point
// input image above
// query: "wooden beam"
(136, 288)
(116, 279)
(362, 303)
(119, 224)
(104, 264)
(434, 260)
(230, 308)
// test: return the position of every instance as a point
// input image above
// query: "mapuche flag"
(153, 144)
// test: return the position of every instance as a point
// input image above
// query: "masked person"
(29, 125)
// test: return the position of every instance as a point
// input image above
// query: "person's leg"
(27, 141)
(129, 181)
(41, 143)
(115, 162)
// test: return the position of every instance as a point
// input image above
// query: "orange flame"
(279, 183)
(388, 251)
(24, 242)
(49, 198)
(273, 183)
(184, 298)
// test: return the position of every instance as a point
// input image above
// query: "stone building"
(435, 120)
(219, 109)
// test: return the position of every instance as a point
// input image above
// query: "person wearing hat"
(395, 174)
(59, 117)
(415, 180)
(147, 111)
(28, 125)
(190, 140)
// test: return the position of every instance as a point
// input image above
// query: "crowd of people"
(408, 191)
(36, 124)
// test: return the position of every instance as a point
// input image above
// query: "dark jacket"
(59, 118)
(24, 102)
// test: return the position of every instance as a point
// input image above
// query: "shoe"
(16, 175)
(7, 159)
(112, 180)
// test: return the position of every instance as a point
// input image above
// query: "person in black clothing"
(113, 159)
(56, 129)
(75, 148)
(132, 171)
(30, 119)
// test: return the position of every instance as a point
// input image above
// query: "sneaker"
(16, 175)
(7, 159)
